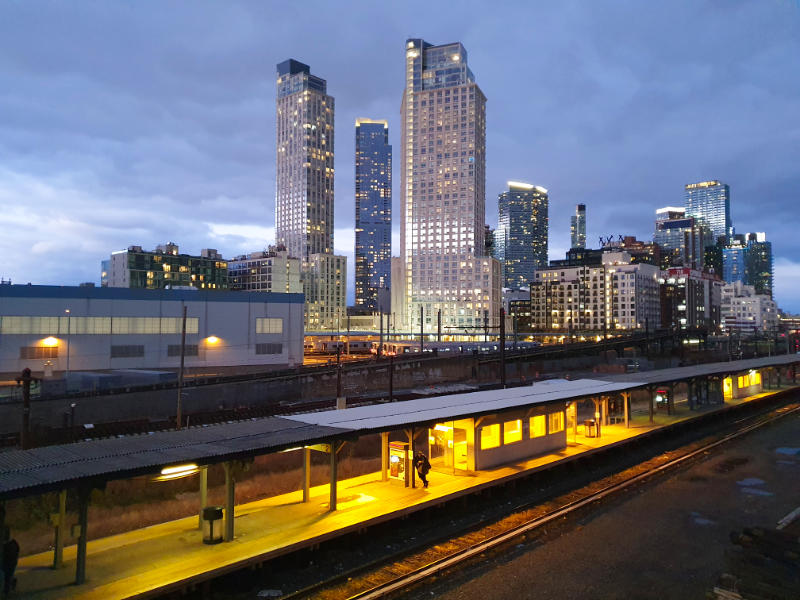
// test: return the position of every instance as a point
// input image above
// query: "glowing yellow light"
(212, 339)
(176, 472)
(440, 427)
(50, 341)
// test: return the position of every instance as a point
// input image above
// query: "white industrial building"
(62, 329)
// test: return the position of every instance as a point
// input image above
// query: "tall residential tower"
(577, 227)
(521, 234)
(443, 169)
(304, 191)
(373, 249)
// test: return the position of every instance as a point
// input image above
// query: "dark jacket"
(422, 464)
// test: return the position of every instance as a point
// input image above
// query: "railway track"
(390, 576)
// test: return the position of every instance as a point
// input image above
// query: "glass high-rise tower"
(760, 267)
(304, 190)
(373, 251)
(522, 232)
(681, 239)
(577, 227)
(710, 201)
(443, 167)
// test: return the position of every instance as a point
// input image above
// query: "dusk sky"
(139, 123)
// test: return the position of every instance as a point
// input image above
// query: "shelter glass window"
(512, 431)
(556, 422)
(490, 436)
(538, 426)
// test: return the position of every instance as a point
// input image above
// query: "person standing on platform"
(423, 466)
(10, 557)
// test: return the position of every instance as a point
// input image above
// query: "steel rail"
(420, 574)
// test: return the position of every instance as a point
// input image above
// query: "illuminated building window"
(490, 436)
(556, 422)
(62, 325)
(512, 431)
(727, 385)
(538, 426)
(269, 325)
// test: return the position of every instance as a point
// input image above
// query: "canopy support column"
(334, 475)
(203, 495)
(84, 494)
(410, 460)
(306, 474)
(60, 523)
(626, 406)
(384, 456)
(230, 494)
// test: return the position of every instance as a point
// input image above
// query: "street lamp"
(69, 323)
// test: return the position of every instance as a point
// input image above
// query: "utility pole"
(421, 329)
(340, 401)
(179, 415)
(25, 380)
(380, 337)
(391, 378)
(69, 324)
(503, 347)
(439, 326)
(347, 339)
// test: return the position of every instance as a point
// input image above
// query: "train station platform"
(171, 556)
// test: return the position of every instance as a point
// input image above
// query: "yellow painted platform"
(162, 557)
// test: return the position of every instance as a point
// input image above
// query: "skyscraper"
(710, 201)
(734, 261)
(304, 191)
(759, 263)
(373, 250)
(443, 168)
(304, 163)
(521, 233)
(577, 227)
(682, 239)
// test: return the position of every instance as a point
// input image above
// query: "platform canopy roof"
(49, 468)
(26, 472)
(380, 417)
(661, 376)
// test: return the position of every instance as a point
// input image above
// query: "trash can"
(212, 524)
(591, 427)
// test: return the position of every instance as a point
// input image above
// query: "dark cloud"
(139, 123)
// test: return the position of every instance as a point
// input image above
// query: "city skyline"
(186, 157)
